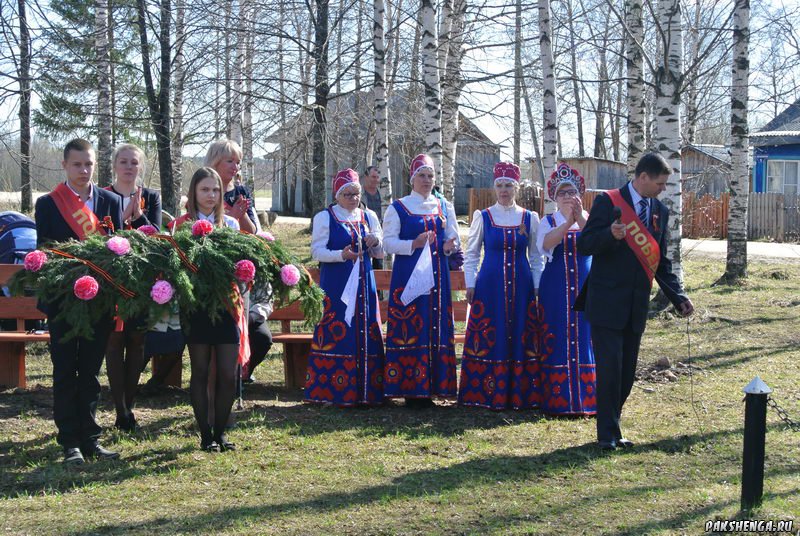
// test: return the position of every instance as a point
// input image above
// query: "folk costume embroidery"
(567, 366)
(420, 354)
(500, 366)
(345, 365)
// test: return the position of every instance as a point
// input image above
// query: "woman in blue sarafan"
(345, 364)
(567, 366)
(500, 367)
(420, 230)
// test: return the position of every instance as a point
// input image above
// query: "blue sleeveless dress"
(500, 367)
(345, 364)
(568, 369)
(420, 351)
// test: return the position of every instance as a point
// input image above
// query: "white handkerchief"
(350, 292)
(421, 281)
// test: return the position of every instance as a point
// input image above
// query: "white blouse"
(321, 233)
(545, 227)
(506, 216)
(229, 222)
(416, 204)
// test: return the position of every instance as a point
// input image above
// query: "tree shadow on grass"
(724, 359)
(18, 479)
(495, 470)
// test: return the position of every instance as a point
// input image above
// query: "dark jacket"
(51, 226)
(151, 214)
(618, 288)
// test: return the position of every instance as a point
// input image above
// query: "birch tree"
(451, 84)
(736, 264)
(634, 60)
(179, 80)
(668, 120)
(104, 113)
(381, 111)
(432, 119)
(550, 112)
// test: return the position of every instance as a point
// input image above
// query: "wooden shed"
(599, 173)
(706, 169)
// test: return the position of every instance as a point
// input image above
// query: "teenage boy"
(77, 209)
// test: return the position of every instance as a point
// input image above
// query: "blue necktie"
(643, 211)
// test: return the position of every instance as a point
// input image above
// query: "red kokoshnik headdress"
(564, 174)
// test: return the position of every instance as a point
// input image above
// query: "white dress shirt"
(635, 198)
(90, 200)
(545, 228)
(415, 204)
(508, 217)
(322, 232)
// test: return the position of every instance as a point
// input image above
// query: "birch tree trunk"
(691, 92)
(736, 265)
(248, 13)
(227, 67)
(104, 148)
(237, 73)
(285, 204)
(534, 137)
(381, 110)
(179, 76)
(550, 112)
(321, 91)
(518, 82)
(26, 201)
(432, 118)
(452, 84)
(635, 96)
(668, 121)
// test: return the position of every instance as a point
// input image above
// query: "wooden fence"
(770, 216)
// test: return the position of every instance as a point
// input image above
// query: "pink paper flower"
(148, 230)
(244, 271)
(162, 292)
(86, 287)
(118, 245)
(202, 228)
(290, 275)
(266, 235)
(35, 260)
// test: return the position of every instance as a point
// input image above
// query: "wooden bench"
(12, 343)
(297, 345)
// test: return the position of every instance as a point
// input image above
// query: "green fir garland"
(201, 272)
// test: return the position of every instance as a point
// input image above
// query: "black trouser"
(76, 387)
(616, 352)
(260, 343)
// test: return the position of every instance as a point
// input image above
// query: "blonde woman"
(225, 157)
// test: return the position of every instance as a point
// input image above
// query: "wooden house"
(706, 169)
(599, 173)
(776, 152)
(350, 135)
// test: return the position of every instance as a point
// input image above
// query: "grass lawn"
(304, 469)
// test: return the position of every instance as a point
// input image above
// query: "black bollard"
(755, 429)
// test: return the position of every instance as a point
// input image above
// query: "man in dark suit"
(617, 291)
(74, 210)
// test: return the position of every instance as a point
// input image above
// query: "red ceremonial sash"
(80, 219)
(637, 236)
(177, 222)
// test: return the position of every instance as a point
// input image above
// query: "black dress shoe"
(224, 444)
(607, 445)
(73, 456)
(97, 451)
(625, 443)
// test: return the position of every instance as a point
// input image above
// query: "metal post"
(755, 429)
